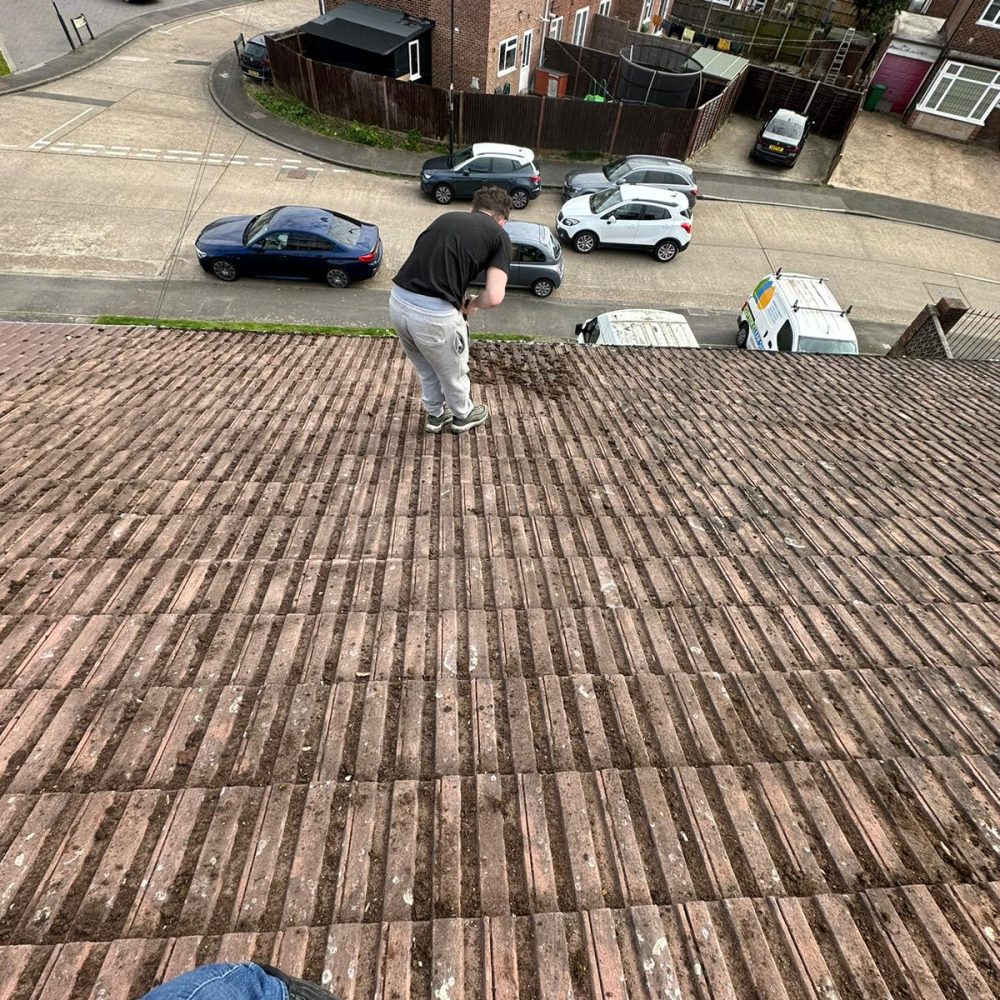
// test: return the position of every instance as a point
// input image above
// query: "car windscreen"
(787, 128)
(255, 51)
(554, 246)
(605, 199)
(258, 226)
(461, 155)
(821, 345)
(346, 232)
(616, 170)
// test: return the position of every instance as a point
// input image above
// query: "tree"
(876, 16)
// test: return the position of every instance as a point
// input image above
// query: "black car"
(469, 169)
(781, 138)
(253, 58)
(291, 241)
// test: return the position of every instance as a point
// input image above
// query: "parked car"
(636, 328)
(781, 138)
(651, 171)
(794, 312)
(253, 58)
(291, 241)
(631, 216)
(536, 260)
(462, 175)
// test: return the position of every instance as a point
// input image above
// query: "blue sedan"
(291, 241)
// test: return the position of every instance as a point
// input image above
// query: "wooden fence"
(523, 120)
(831, 108)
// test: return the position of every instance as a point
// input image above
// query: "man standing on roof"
(429, 310)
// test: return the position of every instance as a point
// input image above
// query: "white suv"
(631, 216)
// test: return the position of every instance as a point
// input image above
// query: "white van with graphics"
(795, 312)
(637, 328)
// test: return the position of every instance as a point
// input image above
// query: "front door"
(525, 78)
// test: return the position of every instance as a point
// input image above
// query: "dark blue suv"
(462, 175)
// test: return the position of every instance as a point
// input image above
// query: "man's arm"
(492, 295)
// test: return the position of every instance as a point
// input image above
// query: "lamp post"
(451, 86)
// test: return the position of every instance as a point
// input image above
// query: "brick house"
(498, 42)
(960, 98)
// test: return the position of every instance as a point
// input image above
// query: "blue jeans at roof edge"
(244, 981)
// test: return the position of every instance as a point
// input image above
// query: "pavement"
(725, 185)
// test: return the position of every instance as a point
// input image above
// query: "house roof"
(372, 29)
(721, 65)
(921, 28)
(677, 679)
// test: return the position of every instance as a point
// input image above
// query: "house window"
(555, 28)
(604, 7)
(507, 59)
(991, 15)
(965, 93)
(580, 25)
(414, 52)
(647, 11)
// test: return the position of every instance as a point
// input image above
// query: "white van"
(637, 328)
(795, 312)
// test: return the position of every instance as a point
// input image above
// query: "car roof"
(528, 231)
(644, 192)
(646, 160)
(646, 328)
(502, 149)
(784, 115)
(304, 219)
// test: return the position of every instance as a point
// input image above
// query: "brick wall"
(989, 135)
(966, 36)
(925, 337)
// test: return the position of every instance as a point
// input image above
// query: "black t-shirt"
(450, 252)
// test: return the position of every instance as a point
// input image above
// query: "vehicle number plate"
(254, 72)
(776, 149)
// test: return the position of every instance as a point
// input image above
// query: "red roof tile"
(677, 680)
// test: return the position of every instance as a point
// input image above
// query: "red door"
(902, 75)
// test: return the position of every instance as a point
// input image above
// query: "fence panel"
(289, 69)
(351, 94)
(499, 118)
(424, 109)
(648, 129)
(712, 115)
(577, 125)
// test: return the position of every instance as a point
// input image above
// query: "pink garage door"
(902, 75)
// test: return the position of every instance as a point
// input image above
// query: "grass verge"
(291, 109)
(4, 68)
(234, 326)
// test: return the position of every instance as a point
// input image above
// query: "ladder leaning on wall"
(839, 57)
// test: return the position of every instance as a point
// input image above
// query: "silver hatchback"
(536, 259)
(650, 171)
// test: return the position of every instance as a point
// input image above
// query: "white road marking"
(59, 128)
(170, 31)
(185, 152)
(132, 58)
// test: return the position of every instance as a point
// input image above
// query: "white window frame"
(527, 45)
(413, 53)
(508, 47)
(950, 74)
(604, 8)
(580, 25)
(556, 27)
(647, 12)
(989, 20)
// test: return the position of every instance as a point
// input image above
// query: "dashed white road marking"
(67, 147)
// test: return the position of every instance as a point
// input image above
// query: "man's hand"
(469, 306)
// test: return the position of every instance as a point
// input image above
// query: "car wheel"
(584, 242)
(665, 251)
(223, 270)
(519, 198)
(543, 288)
(443, 194)
(336, 278)
(742, 335)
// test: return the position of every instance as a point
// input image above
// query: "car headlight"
(200, 252)
(425, 175)
(571, 222)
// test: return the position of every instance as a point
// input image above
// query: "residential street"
(110, 174)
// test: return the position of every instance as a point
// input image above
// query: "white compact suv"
(632, 216)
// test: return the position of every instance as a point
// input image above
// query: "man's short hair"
(494, 200)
